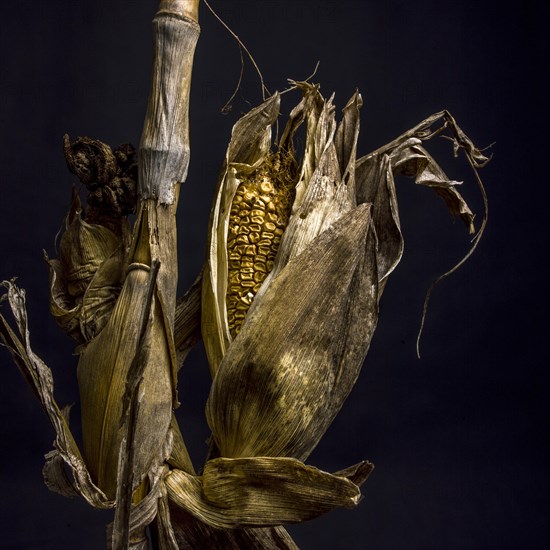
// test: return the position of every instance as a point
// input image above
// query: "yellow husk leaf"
(102, 374)
(86, 279)
(287, 373)
(66, 454)
(83, 248)
(261, 491)
(247, 149)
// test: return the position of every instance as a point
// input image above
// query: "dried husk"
(40, 379)
(187, 322)
(325, 192)
(250, 143)
(292, 383)
(102, 373)
(263, 491)
(326, 189)
(86, 279)
(279, 383)
(191, 532)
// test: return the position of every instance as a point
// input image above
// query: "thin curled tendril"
(475, 241)
(225, 108)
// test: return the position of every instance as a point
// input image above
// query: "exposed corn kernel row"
(258, 217)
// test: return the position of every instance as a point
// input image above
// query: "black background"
(459, 438)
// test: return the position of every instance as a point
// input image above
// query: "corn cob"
(259, 214)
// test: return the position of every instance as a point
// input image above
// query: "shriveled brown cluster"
(109, 175)
(259, 215)
(86, 279)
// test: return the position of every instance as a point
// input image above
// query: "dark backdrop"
(459, 437)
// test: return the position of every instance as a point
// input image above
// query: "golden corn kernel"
(259, 214)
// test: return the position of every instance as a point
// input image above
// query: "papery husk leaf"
(179, 530)
(375, 185)
(39, 376)
(101, 295)
(83, 248)
(86, 279)
(251, 135)
(179, 457)
(411, 159)
(324, 201)
(102, 375)
(261, 491)
(308, 111)
(250, 143)
(326, 188)
(425, 130)
(85, 321)
(187, 322)
(62, 307)
(55, 476)
(346, 139)
(408, 157)
(291, 367)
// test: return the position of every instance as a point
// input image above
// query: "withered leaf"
(287, 373)
(260, 491)
(40, 378)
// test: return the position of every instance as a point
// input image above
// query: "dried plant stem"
(164, 147)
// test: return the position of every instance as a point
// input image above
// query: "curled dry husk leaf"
(40, 379)
(263, 491)
(250, 143)
(86, 279)
(301, 369)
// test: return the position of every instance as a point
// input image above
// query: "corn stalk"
(299, 253)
